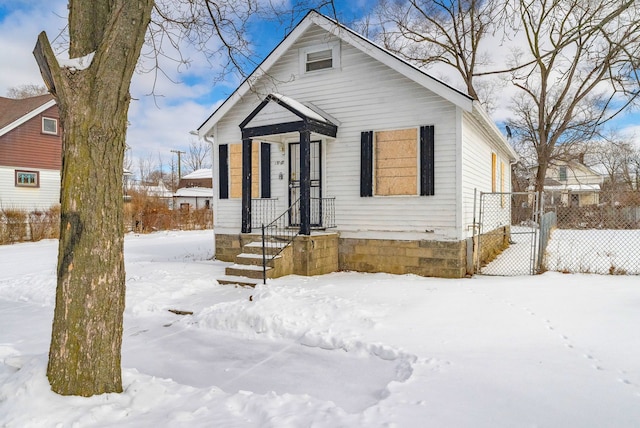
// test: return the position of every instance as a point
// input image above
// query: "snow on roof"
(199, 173)
(575, 187)
(193, 192)
(299, 107)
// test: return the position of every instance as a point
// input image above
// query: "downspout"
(213, 197)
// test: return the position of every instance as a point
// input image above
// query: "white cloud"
(183, 99)
(18, 34)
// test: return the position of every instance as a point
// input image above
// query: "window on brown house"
(27, 178)
(49, 126)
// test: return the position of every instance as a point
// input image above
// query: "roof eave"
(33, 113)
(481, 113)
(440, 88)
(260, 71)
(460, 99)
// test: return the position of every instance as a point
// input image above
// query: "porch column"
(305, 182)
(246, 185)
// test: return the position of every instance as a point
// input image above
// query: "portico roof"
(297, 117)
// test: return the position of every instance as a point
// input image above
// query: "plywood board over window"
(494, 172)
(235, 170)
(396, 167)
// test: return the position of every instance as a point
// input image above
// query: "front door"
(316, 183)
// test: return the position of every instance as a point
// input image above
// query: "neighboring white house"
(159, 191)
(571, 183)
(365, 142)
(195, 190)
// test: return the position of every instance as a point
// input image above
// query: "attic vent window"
(49, 126)
(319, 60)
(320, 57)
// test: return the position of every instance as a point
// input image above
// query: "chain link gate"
(508, 234)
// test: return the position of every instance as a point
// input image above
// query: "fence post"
(264, 259)
(479, 248)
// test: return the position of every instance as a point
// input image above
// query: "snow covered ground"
(594, 251)
(339, 350)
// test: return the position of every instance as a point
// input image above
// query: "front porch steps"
(242, 281)
(247, 269)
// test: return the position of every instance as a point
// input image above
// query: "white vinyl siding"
(477, 161)
(364, 95)
(46, 195)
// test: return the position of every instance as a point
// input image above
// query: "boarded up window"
(494, 172)
(396, 164)
(235, 170)
(502, 176)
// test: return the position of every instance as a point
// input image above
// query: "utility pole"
(179, 153)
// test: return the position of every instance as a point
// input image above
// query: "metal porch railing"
(281, 232)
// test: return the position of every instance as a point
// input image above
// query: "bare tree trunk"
(84, 357)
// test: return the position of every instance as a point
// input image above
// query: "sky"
(162, 122)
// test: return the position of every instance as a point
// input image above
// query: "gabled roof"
(357, 41)
(308, 119)
(15, 112)
(198, 174)
(449, 93)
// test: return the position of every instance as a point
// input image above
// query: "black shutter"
(265, 170)
(366, 163)
(426, 161)
(223, 171)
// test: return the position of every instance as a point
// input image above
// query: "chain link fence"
(595, 239)
(507, 240)
(518, 235)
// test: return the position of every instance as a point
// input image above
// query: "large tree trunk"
(84, 357)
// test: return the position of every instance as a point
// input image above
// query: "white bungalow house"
(374, 162)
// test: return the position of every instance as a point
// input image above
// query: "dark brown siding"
(194, 182)
(27, 147)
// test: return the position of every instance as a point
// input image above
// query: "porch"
(278, 119)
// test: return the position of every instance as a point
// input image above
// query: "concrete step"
(250, 271)
(238, 280)
(269, 247)
(253, 259)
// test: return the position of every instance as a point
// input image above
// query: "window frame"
(18, 183)
(563, 171)
(334, 47)
(43, 129)
(375, 168)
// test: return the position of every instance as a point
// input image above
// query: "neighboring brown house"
(30, 153)
(195, 190)
(198, 178)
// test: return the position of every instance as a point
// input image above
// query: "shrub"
(45, 224)
(14, 226)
